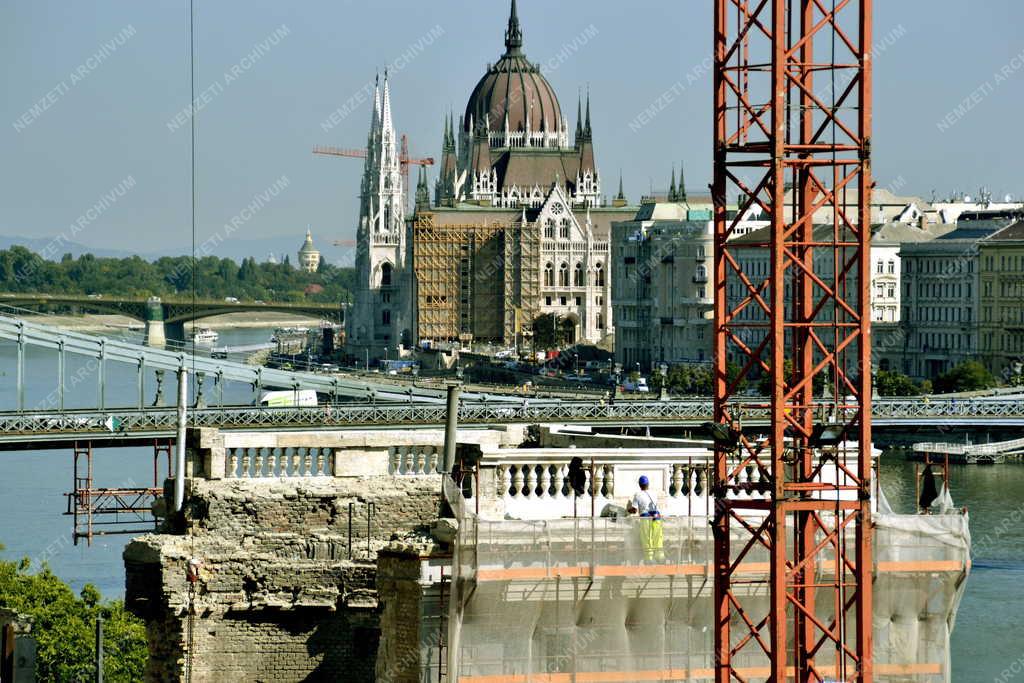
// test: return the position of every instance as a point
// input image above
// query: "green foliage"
(64, 626)
(550, 332)
(892, 383)
(23, 271)
(968, 376)
(695, 380)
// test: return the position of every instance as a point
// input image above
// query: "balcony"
(700, 279)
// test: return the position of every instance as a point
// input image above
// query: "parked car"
(638, 386)
(231, 300)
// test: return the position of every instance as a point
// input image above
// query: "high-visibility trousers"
(652, 538)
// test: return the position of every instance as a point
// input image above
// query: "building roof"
(307, 246)
(516, 88)
(902, 233)
(1010, 233)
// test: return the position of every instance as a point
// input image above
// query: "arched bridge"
(166, 318)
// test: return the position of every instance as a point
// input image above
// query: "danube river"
(987, 643)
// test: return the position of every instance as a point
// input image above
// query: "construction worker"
(651, 534)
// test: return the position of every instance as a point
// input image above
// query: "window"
(385, 298)
(878, 267)
(549, 229)
(547, 301)
(549, 275)
(599, 275)
(892, 267)
(561, 300)
(385, 275)
(892, 292)
(578, 277)
(385, 317)
(563, 275)
(563, 229)
(579, 301)
(600, 321)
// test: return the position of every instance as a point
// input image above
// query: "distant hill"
(262, 249)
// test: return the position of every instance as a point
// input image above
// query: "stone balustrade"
(278, 462)
(422, 459)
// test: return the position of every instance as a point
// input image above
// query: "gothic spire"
(385, 106)
(514, 34)
(586, 129)
(672, 188)
(682, 182)
(376, 104)
(579, 119)
(622, 194)
(422, 191)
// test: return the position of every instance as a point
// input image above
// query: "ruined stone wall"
(278, 597)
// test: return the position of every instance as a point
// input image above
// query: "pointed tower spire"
(682, 182)
(385, 106)
(672, 188)
(514, 34)
(422, 192)
(586, 129)
(579, 119)
(622, 194)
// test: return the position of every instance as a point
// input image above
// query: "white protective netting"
(574, 600)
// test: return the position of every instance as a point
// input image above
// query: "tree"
(64, 626)
(968, 376)
(549, 332)
(892, 383)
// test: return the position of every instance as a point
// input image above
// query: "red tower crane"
(404, 160)
(793, 92)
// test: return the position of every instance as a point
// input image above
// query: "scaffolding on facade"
(470, 279)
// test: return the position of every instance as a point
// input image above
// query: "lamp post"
(618, 379)
(576, 361)
(663, 371)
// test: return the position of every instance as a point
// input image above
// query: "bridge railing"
(163, 420)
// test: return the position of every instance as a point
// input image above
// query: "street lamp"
(618, 379)
(663, 370)
(576, 360)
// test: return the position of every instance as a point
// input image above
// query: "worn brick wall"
(278, 598)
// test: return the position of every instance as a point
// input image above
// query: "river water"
(988, 642)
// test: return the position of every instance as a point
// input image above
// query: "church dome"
(514, 87)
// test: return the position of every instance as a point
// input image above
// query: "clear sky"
(92, 89)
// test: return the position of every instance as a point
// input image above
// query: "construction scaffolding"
(459, 271)
(102, 511)
(574, 600)
(475, 282)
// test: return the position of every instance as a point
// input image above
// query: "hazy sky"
(92, 90)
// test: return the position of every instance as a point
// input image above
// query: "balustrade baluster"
(677, 481)
(517, 481)
(597, 486)
(531, 481)
(295, 462)
(232, 472)
(609, 480)
(504, 480)
(272, 463)
(544, 490)
(563, 487)
(307, 462)
(245, 463)
(319, 462)
(394, 460)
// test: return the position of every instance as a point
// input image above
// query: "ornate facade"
(518, 227)
(379, 319)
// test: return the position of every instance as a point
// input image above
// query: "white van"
(303, 398)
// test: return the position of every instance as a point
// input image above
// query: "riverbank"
(95, 323)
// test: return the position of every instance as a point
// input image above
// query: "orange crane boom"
(404, 160)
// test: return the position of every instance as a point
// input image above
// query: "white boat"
(205, 337)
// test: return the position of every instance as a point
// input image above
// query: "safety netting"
(589, 599)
